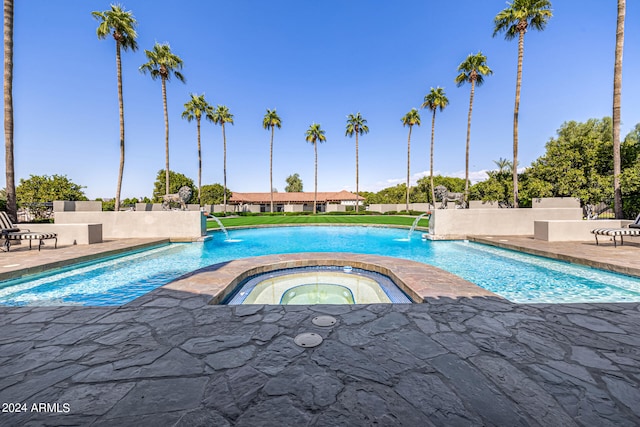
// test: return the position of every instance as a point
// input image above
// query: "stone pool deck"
(168, 358)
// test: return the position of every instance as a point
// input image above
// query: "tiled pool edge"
(519, 244)
(66, 262)
(419, 281)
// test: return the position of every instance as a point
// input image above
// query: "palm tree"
(314, 135)
(12, 209)
(514, 21)
(121, 25)
(356, 125)
(410, 119)
(221, 116)
(434, 100)
(163, 63)
(271, 121)
(504, 165)
(617, 95)
(194, 109)
(472, 70)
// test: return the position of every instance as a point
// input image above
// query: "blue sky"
(314, 62)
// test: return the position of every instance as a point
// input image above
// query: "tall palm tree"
(221, 116)
(472, 70)
(617, 95)
(122, 26)
(434, 100)
(194, 109)
(410, 119)
(271, 121)
(314, 135)
(12, 209)
(163, 64)
(514, 21)
(356, 125)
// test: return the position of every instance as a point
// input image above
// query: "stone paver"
(500, 364)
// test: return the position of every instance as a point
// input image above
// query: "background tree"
(434, 100)
(294, 184)
(10, 189)
(410, 119)
(221, 116)
(194, 109)
(514, 21)
(177, 180)
(163, 64)
(630, 176)
(271, 121)
(314, 135)
(356, 125)
(578, 163)
(121, 24)
(213, 194)
(617, 96)
(33, 192)
(472, 70)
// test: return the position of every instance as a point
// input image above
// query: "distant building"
(294, 202)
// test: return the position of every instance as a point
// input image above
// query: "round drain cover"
(308, 339)
(324, 320)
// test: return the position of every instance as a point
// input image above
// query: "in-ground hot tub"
(317, 285)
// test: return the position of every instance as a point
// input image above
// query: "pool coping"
(594, 256)
(46, 267)
(419, 281)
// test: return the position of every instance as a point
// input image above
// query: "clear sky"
(315, 62)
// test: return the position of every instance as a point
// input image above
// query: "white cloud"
(474, 177)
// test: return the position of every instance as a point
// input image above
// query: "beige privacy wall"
(459, 223)
(185, 225)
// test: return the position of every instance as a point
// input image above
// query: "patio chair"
(9, 232)
(632, 230)
(636, 223)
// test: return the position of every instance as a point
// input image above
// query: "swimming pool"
(518, 277)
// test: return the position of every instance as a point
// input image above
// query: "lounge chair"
(9, 232)
(632, 230)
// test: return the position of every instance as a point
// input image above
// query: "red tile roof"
(302, 197)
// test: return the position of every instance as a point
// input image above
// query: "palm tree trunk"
(617, 95)
(466, 164)
(121, 110)
(516, 111)
(224, 145)
(433, 130)
(166, 134)
(199, 164)
(271, 168)
(315, 184)
(408, 166)
(12, 209)
(357, 174)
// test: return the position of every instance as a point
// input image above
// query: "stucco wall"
(571, 231)
(459, 223)
(141, 224)
(69, 234)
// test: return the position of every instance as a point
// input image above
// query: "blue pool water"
(515, 276)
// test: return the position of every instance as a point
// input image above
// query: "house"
(294, 202)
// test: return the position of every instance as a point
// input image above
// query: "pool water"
(518, 277)
(317, 293)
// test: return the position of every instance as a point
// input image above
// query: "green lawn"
(317, 219)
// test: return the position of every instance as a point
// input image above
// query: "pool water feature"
(317, 285)
(516, 276)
